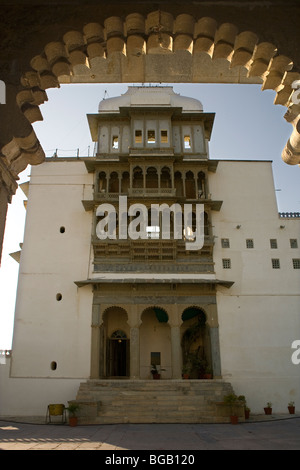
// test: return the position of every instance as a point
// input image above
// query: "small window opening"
(152, 231)
(58, 297)
(249, 243)
(62, 229)
(225, 243)
(155, 358)
(273, 243)
(164, 136)
(115, 142)
(226, 263)
(151, 137)
(187, 142)
(53, 365)
(293, 243)
(296, 263)
(275, 263)
(138, 136)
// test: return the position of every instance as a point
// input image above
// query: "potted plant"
(247, 412)
(291, 407)
(186, 370)
(268, 408)
(208, 373)
(72, 409)
(231, 400)
(154, 372)
(242, 399)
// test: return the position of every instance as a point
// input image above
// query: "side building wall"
(52, 334)
(259, 315)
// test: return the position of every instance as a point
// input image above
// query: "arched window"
(113, 182)
(102, 182)
(190, 187)
(118, 334)
(151, 178)
(178, 184)
(125, 182)
(165, 178)
(137, 177)
(201, 185)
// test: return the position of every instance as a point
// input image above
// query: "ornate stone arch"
(196, 307)
(134, 47)
(160, 312)
(104, 310)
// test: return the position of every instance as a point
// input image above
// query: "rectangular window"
(293, 243)
(152, 231)
(249, 243)
(164, 137)
(115, 142)
(275, 263)
(138, 138)
(151, 137)
(296, 263)
(226, 263)
(225, 243)
(187, 142)
(155, 358)
(273, 243)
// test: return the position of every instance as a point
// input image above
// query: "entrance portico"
(151, 324)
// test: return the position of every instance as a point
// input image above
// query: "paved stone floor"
(275, 433)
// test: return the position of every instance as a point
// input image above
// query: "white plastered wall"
(259, 316)
(51, 331)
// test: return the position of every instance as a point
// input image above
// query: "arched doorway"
(115, 354)
(195, 343)
(118, 355)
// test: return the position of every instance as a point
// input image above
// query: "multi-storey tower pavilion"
(153, 149)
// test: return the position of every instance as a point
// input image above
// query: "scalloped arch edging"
(119, 51)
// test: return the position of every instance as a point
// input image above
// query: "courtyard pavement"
(280, 432)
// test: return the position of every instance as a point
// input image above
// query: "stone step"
(151, 401)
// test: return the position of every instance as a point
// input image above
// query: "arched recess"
(155, 342)
(154, 48)
(195, 343)
(115, 347)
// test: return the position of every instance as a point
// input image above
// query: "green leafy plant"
(73, 408)
(230, 399)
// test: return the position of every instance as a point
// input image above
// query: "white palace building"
(101, 311)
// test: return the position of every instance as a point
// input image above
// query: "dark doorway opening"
(118, 355)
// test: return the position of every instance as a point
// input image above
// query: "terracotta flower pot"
(156, 376)
(73, 421)
(234, 419)
(291, 410)
(268, 411)
(207, 376)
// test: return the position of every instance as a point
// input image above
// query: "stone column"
(96, 343)
(3, 212)
(19, 145)
(215, 352)
(8, 188)
(135, 352)
(212, 321)
(134, 323)
(176, 352)
(175, 323)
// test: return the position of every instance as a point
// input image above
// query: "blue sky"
(248, 126)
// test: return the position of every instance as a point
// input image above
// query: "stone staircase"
(151, 401)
